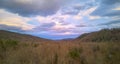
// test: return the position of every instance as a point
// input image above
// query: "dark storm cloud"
(5, 27)
(31, 7)
(106, 8)
(40, 7)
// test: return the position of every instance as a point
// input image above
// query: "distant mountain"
(105, 35)
(20, 37)
(67, 39)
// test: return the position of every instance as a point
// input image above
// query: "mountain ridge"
(20, 37)
(104, 35)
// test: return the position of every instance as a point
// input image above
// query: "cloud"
(43, 7)
(105, 8)
(32, 7)
(48, 24)
(14, 20)
(44, 27)
(58, 18)
(117, 8)
(113, 13)
(65, 33)
(110, 2)
(75, 9)
(94, 17)
(112, 22)
(6, 27)
(81, 25)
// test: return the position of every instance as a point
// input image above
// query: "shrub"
(96, 48)
(75, 53)
(56, 59)
(6, 44)
(112, 55)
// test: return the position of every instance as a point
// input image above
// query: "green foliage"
(105, 35)
(75, 53)
(30, 52)
(35, 45)
(112, 55)
(96, 48)
(5, 44)
(56, 59)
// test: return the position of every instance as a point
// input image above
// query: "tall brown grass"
(61, 53)
(102, 47)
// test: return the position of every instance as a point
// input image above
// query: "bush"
(56, 59)
(112, 55)
(75, 53)
(95, 48)
(6, 44)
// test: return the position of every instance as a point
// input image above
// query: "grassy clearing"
(59, 53)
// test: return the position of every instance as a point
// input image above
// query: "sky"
(58, 19)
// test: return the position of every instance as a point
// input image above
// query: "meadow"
(12, 52)
(15, 51)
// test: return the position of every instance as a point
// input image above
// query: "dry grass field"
(57, 52)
